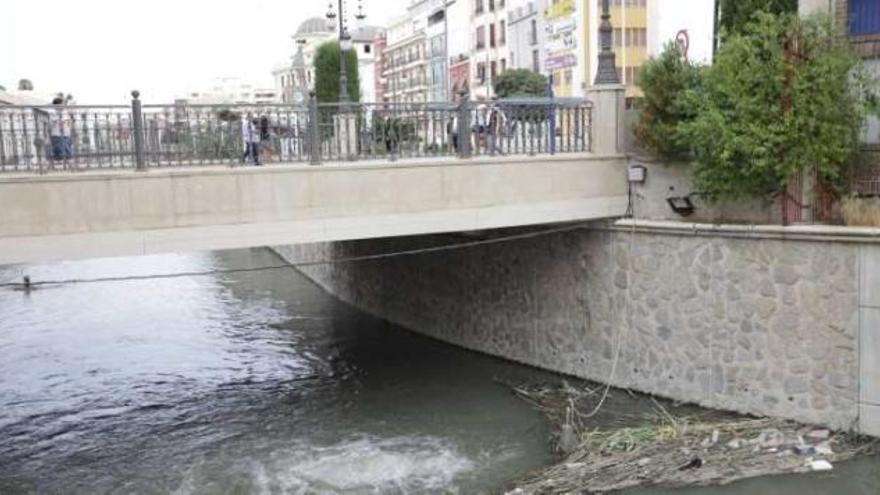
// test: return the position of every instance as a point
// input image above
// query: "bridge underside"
(124, 213)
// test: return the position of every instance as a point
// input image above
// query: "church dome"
(315, 25)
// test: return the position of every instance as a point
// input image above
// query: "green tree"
(326, 67)
(663, 80)
(779, 99)
(520, 82)
(734, 15)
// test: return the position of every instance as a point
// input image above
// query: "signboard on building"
(561, 61)
(563, 8)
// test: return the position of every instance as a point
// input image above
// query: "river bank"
(671, 445)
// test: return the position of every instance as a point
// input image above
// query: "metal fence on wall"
(48, 138)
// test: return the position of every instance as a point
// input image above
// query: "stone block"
(870, 276)
(869, 352)
(869, 419)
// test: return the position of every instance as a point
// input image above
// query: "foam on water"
(364, 464)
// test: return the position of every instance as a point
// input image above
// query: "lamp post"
(344, 44)
(607, 70)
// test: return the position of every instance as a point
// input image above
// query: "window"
(367, 48)
(503, 65)
(491, 5)
(494, 70)
(481, 37)
(634, 37)
(502, 33)
(492, 35)
(864, 17)
(479, 6)
(533, 32)
(536, 61)
(629, 3)
(481, 72)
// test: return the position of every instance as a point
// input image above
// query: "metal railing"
(46, 138)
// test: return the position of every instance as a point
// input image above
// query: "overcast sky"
(99, 50)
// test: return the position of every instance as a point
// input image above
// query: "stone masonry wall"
(767, 327)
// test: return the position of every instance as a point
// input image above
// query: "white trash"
(821, 465)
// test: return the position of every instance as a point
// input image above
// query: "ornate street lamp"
(607, 69)
(344, 43)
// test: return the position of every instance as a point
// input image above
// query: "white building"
(363, 43)
(406, 70)
(688, 22)
(230, 90)
(526, 34)
(489, 51)
(294, 80)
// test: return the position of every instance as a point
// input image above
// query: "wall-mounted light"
(637, 174)
(681, 205)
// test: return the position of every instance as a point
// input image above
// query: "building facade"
(380, 61)
(406, 57)
(229, 90)
(459, 46)
(489, 50)
(690, 23)
(295, 79)
(526, 34)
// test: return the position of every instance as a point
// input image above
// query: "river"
(258, 382)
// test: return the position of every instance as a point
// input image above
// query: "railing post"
(464, 125)
(314, 131)
(137, 122)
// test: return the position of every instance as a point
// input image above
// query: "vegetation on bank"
(784, 95)
(672, 446)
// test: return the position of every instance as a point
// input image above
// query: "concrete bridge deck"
(115, 213)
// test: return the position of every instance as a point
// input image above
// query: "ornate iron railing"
(47, 138)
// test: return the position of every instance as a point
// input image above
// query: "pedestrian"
(266, 145)
(60, 126)
(452, 131)
(251, 140)
(497, 121)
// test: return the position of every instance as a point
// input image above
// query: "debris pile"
(662, 449)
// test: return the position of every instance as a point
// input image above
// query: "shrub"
(779, 99)
(663, 80)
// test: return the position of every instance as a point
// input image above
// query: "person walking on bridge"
(250, 137)
(60, 129)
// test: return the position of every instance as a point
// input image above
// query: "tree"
(734, 15)
(326, 67)
(520, 82)
(663, 80)
(778, 100)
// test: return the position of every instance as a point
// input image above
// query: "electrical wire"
(294, 264)
(628, 314)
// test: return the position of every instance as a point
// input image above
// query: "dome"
(315, 25)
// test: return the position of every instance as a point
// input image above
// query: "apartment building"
(406, 56)
(489, 52)
(459, 45)
(526, 34)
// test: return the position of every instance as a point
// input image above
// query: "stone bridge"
(91, 214)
